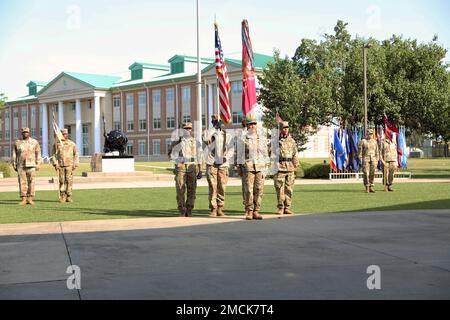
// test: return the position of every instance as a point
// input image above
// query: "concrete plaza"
(320, 256)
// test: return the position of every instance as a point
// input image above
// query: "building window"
(33, 132)
(156, 123)
(170, 109)
(237, 117)
(24, 117)
(170, 122)
(203, 120)
(168, 144)
(16, 134)
(130, 148)
(142, 97)
(116, 125)
(156, 96)
(85, 137)
(7, 152)
(236, 87)
(7, 135)
(186, 103)
(116, 102)
(130, 112)
(141, 147)
(156, 147)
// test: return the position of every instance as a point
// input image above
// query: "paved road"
(317, 256)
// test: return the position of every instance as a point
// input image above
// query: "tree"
(2, 101)
(407, 80)
(297, 99)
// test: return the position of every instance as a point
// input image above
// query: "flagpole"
(199, 79)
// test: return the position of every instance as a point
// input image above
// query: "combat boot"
(386, 188)
(23, 202)
(30, 201)
(367, 190)
(189, 212)
(182, 212)
(220, 212)
(256, 215)
(390, 189)
(371, 190)
(69, 199)
(280, 211)
(287, 211)
(62, 198)
(213, 213)
(249, 215)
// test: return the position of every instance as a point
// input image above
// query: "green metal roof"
(94, 80)
(21, 99)
(191, 59)
(145, 65)
(260, 62)
(37, 83)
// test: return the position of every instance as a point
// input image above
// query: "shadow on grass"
(423, 205)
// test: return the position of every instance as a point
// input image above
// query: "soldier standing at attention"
(217, 164)
(239, 155)
(255, 167)
(65, 160)
(389, 160)
(186, 153)
(369, 156)
(284, 177)
(26, 158)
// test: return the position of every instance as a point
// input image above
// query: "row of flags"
(344, 152)
(223, 83)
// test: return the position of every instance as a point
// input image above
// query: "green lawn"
(429, 168)
(160, 202)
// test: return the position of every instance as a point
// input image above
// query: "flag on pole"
(278, 118)
(249, 84)
(56, 130)
(340, 154)
(223, 81)
(333, 158)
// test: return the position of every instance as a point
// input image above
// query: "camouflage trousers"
(369, 173)
(388, 172)
(217, 181)
(27, 178)
(65, 177)
(254, 187)
(185, 180)
(284, 186)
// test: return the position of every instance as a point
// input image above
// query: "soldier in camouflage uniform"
(254, 168)
(239, 155)
(369, 156)
(389, 159)
(26, 159)
(187, 155)
(284, 177)
(217, 165)
(65, 160)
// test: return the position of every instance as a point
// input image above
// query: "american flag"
(223, 81)
(56, 130)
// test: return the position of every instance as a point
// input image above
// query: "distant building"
(148, 106)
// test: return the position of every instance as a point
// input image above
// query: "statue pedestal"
(118, 164)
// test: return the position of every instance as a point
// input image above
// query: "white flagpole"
(199, 79)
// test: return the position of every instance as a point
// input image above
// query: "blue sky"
(41, 38)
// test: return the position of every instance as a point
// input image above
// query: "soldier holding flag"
(65, 160)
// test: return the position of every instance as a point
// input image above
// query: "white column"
(78, 127)
(97, 136)
(61, 115)
(44, 126)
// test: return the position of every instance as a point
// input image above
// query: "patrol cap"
(25, 130)
(284, 124)
(187, 125)
(251, 119)
(64, 131)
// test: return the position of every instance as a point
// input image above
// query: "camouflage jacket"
(65, 155)
(26, 154)
(220, 149)
(256, 152)
(186, 151)
(388, 151)
(287, 155)
(368, 150)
